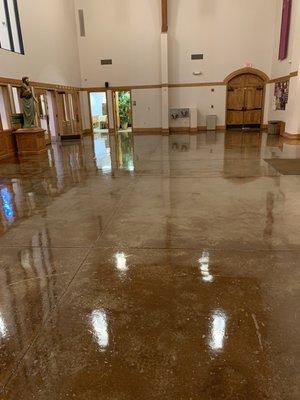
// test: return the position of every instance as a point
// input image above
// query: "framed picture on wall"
(281, 95)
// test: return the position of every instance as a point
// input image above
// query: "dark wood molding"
(292, 136)
(52, 86)
(145, 131)
(196, 84)
(294, 73)
(280, 79)
(284, 78)
(164, 16)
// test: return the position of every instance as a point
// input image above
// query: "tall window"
(10, 28)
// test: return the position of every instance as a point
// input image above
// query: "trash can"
(211, 122)
(274, 127)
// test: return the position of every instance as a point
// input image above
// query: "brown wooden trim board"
(52, 86)
(295, 136)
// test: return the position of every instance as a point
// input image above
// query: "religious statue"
(28, 104)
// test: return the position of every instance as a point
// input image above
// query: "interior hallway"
(130, 259)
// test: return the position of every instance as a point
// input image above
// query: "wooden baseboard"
(204, 128)
(150, 131)
(294, 136)
(87, 131)
(173, 129)
(179, 129)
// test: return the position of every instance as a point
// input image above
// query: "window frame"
(8, 21)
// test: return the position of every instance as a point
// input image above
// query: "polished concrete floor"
(151, 267)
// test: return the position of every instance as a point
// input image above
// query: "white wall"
(51, 51)
(285, 67)
(229, 33)
(128, 32)
(147, 111)
(201, 98)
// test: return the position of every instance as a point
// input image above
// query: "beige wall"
(285, 67)
(147, 111)
(128, 32)
(51, 51)
(229, 33)
(201, 98)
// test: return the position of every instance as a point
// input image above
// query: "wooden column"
(164, 15)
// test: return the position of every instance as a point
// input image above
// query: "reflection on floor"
(151, 267)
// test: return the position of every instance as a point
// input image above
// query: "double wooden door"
(245, 95)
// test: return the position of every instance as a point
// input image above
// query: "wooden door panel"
(252, 80)
(238, 81)
(235, 117)
(235, 98)
(253, 98)
(245, 96)
(252, 117)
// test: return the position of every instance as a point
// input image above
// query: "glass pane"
(3, 112)
(4, 36)
(16, 100)
(14, 28)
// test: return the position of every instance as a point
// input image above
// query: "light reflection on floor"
(150, 266)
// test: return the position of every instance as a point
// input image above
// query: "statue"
(28, 104)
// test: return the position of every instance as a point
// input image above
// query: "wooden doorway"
(245, 101)
(98, 106)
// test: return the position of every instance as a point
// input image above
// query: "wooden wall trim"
(146, 130)
(39, 85)
(190, 84)
(159, 86)
(284, 78)
(164, 16)
(196, 84)
(174, 129)
(51, 86)
(292, 136)
(118, 88)
(294, 73)
(280, 79)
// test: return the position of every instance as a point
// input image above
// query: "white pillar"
(164, 82)
(293, 105)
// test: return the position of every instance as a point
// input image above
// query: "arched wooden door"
(245, 99)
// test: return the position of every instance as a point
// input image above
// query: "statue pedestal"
(30, 141)
(7, 145)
